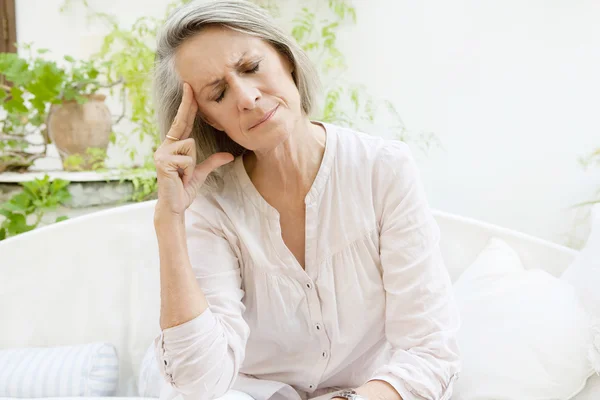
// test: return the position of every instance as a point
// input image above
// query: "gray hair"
(242, 16)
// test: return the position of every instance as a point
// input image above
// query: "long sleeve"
(202, 357)
(421, 316)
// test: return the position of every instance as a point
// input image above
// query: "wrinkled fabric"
(373, 302)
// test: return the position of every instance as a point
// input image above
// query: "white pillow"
(591, 390)
(66, 371)
(584, 275)
(524, 333)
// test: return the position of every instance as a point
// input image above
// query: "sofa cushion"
(80, 370)
(584, 275)
(591, 390)
(524, 333)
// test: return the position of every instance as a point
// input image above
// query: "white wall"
(511, 88)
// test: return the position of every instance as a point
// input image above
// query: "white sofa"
(96, 278)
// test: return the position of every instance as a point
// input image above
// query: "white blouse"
(373, 302)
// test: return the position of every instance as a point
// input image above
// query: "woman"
(297, 258)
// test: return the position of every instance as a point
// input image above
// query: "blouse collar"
(316, 189)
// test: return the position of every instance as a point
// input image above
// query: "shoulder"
(370, 151)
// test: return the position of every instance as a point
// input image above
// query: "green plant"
(589, 161)
(128, 51)
(316, 28)
(143, 179)
(144, 188)
(35, 84)
(36, 198)
(75, 162)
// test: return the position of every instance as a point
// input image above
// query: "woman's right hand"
(178, 176)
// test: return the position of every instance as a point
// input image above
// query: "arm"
(203, 339)
(421, 316)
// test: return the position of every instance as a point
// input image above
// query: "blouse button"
(324, 354)
(311, 386)
(165, 362)
(309, 285)
(318, 326)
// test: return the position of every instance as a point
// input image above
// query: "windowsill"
(79, 176)
(89, 189)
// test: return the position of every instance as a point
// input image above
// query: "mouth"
(265, 118)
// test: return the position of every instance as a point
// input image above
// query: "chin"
(268, 138)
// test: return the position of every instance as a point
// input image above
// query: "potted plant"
(60, 102)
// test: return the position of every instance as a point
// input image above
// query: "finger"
(180, 121)
(213, 162)
(185, 147)
(191, 117)
(182, 165)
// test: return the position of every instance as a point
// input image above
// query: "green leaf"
(58, 184)
(2, 233)
(20, 202)
(352, 12)
(18, 224)
(354, 98)
(81, 99)
(62, 218)
(9, 208)
(69, 59)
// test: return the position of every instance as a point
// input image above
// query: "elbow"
(200, 360)
(206, 381)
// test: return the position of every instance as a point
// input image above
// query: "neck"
(288, 170)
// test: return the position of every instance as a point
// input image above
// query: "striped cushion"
(81, 370)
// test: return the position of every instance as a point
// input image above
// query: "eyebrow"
(237, 65)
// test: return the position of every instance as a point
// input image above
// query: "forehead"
(210, 53)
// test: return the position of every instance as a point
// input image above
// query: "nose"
(247, 96)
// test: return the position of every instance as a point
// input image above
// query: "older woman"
(297, 258)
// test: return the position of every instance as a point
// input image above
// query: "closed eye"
(255, 68)
(252, 70)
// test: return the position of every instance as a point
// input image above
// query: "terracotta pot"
(76, 127)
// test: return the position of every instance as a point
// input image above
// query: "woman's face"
(242, 85)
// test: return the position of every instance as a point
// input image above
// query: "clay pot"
(75, 127)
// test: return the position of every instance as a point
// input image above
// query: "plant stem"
(124, 103)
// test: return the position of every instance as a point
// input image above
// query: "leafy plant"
(144, 188)
(345, 103)
(129, 51)
(590, 161)
(143, 179)
(35, 84)
(36, 198)
(96, 158)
